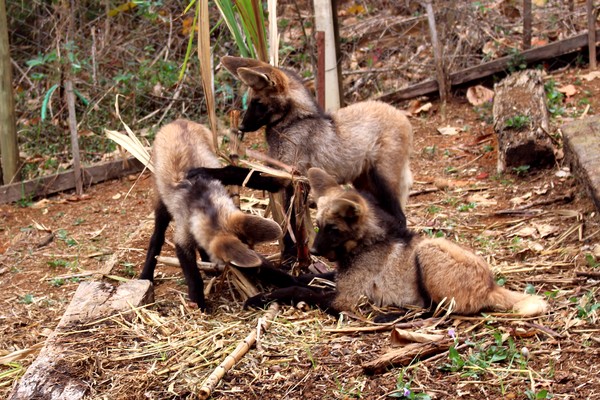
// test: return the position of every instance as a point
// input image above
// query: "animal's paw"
(258, 301)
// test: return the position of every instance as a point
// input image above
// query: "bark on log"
(51, 376)
(521, 122)
(581, 140)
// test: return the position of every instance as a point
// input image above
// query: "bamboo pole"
(8, 132)
(242, 348)
(591, 33)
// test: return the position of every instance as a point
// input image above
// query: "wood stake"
(526, 24)
(437, 53)
(591, 33)
(70, 97)
(320, 37)
(242, 348)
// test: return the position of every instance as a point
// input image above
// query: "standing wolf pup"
(206, 219)
(391, 266)
(367, 144)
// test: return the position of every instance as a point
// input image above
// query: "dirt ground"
(550, 235)
(539, 231)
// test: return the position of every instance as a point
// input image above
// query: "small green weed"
(433, 234)
(128, 268)
(542, 394)
(591, 261)
(54, 264)
(518, 122)
(57, 282)
(587, 306)
(403, 388)
(482, 357)
(521, 170)
(433, 209)
(554, 99)
(26, 299)
(466, 207)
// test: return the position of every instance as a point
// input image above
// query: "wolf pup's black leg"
(186, 254)
(234, 175)
(162, 218)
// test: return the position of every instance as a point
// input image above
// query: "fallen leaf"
(116, 196)
(478, 95)
(40, 204)
(96, 233)
(546, 230)
(520, 199)
(590, 76)
(568, 90)
(424, 108)
(537, 42)
(448, 131)
(537, 247)
(526, 231)
(482, 175)
(482, 200)
(401, 337)
(539, 3)
(563, 173)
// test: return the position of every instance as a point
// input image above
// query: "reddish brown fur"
(400, 269)
(204, 214)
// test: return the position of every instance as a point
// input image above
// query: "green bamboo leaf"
(47, 100)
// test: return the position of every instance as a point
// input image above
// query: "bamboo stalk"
(242, 348)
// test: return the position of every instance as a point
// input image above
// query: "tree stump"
(521, 122)
(581, 140)
(51, 376)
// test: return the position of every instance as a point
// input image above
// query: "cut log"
(582, 151)
(521, 122)
(51, 376)
(66, 181)
(490, 68)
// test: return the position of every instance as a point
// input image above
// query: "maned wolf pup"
(205, 216)
(367, 144)
(391, 266)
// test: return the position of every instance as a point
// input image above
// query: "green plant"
(26, 299)
(521, 170)
(57, 282)
(466, 207)
(591, 261)
(429, 152)
(542, 394)
(403, 388)
(517, 61)
(587, 306)
(433, 209)
(554, 99)
(128, 268)
(482, 356)
(484, 112)
(63, 235)
(487, 148)
(58, 263)
(517, 122)
(431, 233)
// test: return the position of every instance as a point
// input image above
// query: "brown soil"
(458, 193)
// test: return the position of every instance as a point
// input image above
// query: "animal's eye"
(333, 228)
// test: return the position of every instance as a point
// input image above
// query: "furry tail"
(523, 304)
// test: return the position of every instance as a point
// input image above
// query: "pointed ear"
(233, 63)
(230, 249)
(256, 78)
(347, 209)
(253, 228)
(320, 182)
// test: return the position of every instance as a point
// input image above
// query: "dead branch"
(237, 354)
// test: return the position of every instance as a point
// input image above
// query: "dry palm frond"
(130, 142)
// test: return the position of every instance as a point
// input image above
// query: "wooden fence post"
(591, 33)
(526, 24)
(8, 132)
(323, 22)
(441, 75)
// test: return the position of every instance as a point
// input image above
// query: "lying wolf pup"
(392, 266)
